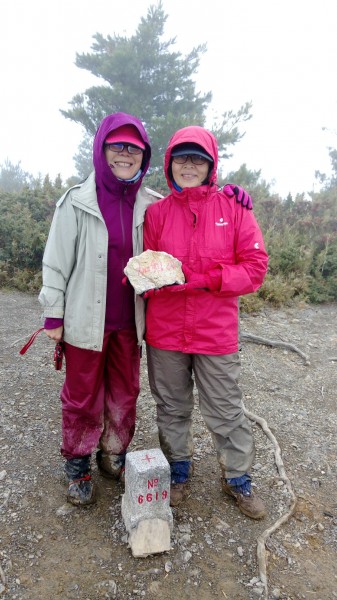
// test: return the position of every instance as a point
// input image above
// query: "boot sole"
(248, 514)
(78, 502)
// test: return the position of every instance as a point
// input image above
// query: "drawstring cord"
(58, 352)
(30, 341)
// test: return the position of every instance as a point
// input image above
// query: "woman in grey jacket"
(96, 228)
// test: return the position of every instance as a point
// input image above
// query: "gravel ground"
(52, 551)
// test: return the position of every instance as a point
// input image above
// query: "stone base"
(150, 537)
(145, 506)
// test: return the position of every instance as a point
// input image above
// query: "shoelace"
(84, 478)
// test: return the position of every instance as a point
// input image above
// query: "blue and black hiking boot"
(81, 488)
(181, 471)
(249, 503)
(111, 466)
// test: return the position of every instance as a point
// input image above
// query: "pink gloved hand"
(211, 280)
(162, 290)
(240, 194)
(196, 280)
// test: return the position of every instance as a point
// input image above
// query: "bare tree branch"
(249, 337)
(261, 540)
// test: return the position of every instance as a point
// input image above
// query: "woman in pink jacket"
(192, 329)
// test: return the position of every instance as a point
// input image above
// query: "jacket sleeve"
(58, 259)
(247, 273)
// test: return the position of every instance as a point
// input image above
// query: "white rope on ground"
(261, 540)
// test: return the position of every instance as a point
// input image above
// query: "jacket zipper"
(121, 203)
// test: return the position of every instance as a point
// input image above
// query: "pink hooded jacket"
(204, 229)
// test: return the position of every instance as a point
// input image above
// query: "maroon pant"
(99, 396)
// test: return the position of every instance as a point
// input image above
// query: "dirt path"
(52, 551)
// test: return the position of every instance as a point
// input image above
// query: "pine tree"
(144, 76)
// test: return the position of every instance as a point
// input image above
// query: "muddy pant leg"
(82, 398)
(121, 391)
(221, 406)
(171, 383)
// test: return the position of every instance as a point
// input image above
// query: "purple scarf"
(116, 199)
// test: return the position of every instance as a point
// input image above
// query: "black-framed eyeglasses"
(119, 147)
(196, 159)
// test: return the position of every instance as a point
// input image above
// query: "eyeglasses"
(196, 159)
(120, 147)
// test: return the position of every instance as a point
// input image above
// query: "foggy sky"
(279, 55)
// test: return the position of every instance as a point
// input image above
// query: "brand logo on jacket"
(221, 222)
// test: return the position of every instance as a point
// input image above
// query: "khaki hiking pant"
(220, 402)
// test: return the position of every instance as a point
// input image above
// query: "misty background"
(279, 56)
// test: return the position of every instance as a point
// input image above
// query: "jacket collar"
(85, 195)
(201, 193)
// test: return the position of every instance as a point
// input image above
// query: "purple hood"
(104, 177)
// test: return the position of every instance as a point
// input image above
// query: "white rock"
(254, 580)
(187, 556)
(168, 566)
(152, 269)
(65, 509)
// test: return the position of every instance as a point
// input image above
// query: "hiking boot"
(248, 502)
(111, 466)
(181, 471)
(80, 488)
(178, 493)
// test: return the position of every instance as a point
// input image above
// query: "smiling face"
(123, 164)
(189, 174)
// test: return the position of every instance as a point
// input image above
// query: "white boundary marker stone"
(146, 502)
